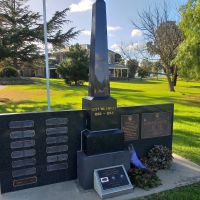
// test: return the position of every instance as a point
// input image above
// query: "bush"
(144, 179)
(159, 157)
(8, 72)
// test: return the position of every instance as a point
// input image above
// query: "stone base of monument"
(87, 164)
(105, 141)
(112, 181)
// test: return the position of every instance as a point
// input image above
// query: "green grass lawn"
(31, 98)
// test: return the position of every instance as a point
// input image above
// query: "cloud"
(82, 6)
(86, 33)
(114, 28)
(135, 46)
(116, 48)
(136, 33)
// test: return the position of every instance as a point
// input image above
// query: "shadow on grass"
(139, 81)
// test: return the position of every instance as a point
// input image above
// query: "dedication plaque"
(156, 124)
(130, 127)
(111, 181)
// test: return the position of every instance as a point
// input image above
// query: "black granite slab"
(39, 148)
(105, 141)
(102, 113)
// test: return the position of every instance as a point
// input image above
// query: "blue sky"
(119, 16)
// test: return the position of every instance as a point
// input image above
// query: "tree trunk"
(175, 76)
(171, 85)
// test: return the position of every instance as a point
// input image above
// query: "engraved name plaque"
(22, 134)
(23, 153)
(57, 158)
(23, 163)
(130, 126)
(56, 121)
(25, 181)
(156, 125)
(56, 131)
(57, 149)
(21, 124)
(56, 167)
(22, 144)
(23, 172)
(57, 140)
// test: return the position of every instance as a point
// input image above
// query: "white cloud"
(116, 48)
(114, 28)
(86, 33)
(135, 46)
(82, 6)
(136, 33)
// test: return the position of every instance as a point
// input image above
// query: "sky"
(120, 13)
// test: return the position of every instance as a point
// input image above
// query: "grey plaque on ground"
(130, 126)
(156, 124)
(112, 181)
(22, 134)
(57, 140)
(23, 153)
(57, 149)
(23, 163)
(23, 172)
(56, 121)
(21, 124)
(22, 144)
(57, 130)
(56, 167)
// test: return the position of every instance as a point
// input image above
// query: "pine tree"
(21, 30)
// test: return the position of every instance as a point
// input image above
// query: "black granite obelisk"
(99, 85)
(102, 135)
(101, 106)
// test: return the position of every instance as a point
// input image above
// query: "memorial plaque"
(22, 144)
(57, 149)
(23, 153)
(56, 121)
(57, 140)
(57, 130)
(23, 172)
(57, 158)
(111, 181)
(157, 124)
(22, 134)
(57, 167)
(130, 127)
(23, 163)
(25, 181)
(21, 124)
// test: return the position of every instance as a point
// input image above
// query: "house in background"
(117, 70)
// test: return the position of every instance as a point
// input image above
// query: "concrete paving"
(183, 172)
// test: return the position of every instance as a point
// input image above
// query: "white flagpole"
(46, 56)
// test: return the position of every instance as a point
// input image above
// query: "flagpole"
(46, 56)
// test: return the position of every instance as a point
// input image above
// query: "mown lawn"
(31, 98)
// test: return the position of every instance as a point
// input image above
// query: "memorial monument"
(90, 144)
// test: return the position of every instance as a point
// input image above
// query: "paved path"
(183, 172)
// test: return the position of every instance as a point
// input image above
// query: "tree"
(145, 68)
(76, 66)
(163, 38)
(132, 65)
(188, 57)
(21, 32)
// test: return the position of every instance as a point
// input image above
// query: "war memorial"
(91, 145)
